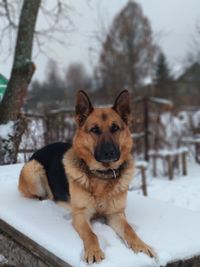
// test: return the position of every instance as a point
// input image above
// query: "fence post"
(146, 128)
(184, 163)
(144, 183)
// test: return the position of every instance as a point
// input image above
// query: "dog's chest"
(105, 201)
(103, 206)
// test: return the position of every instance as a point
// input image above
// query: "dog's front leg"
(92, 251)
(120, 225)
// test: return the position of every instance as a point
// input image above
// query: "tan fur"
(33, 181)
(84, 143)
(91, 193)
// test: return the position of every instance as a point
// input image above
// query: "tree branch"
(8, 15)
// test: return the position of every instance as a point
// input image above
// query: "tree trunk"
(21, 75)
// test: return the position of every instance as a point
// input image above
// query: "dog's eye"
(95, 130)
(114, 128)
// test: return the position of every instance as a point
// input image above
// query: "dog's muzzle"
(107, 152)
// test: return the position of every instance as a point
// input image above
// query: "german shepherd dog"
(92, 175)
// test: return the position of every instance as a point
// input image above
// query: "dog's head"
(103, 139)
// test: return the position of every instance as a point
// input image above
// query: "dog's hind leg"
(33, 181)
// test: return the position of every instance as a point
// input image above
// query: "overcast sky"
(174, 19)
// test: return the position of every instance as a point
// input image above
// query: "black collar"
(109, 174)
(106, 174)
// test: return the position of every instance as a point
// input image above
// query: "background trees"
(58, 91)
(128, 53)
(162, 72)
(76, 79)
(163, 80)
(193, 55)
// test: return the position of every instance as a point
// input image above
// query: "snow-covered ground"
(172, 231)
(183, 191)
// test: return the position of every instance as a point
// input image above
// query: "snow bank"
(3, 260)
(141, 163)
(173, 125)
(168, 152)
(172, 232)
(162, 101)
(196, 119)
(6, 130)
(182, 192)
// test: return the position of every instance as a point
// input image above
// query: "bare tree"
(77, 78)
(193, 55)
(54, 23)
(128, 53)
(22, 69)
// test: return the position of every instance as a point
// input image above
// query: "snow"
(172, 231)
(141, 163)
(6, 130)
(137, 135)
(190, 119)
(177, 71)
(3, 260)
(173, 125)
(168, 152)
(175, 128)
(191, 139)
(196, 119)
(182, 192)
(147, 81)
(161, 101)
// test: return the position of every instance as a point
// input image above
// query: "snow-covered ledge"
(172, 232)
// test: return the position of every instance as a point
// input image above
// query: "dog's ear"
(83, 107)
(122, 105)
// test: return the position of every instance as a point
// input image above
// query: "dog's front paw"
(93, 254)
(138, 245)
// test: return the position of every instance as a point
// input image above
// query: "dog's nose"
(108, 152)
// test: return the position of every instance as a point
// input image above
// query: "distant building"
(188, 86)
(3, 86)
(183, 89)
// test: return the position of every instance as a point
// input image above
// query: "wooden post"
(154, 165)
(146, 129)
(170, 167)
(144, 184)
(197, 149)
(178, 162)
(184, 163)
